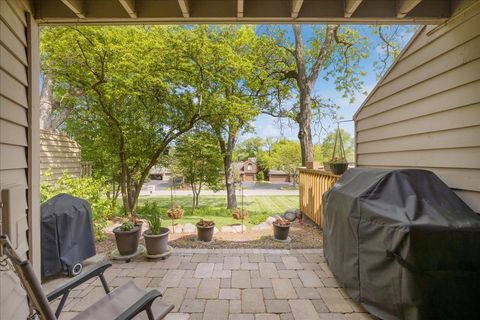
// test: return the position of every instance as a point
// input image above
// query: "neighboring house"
(59, 154)
(160, 173)
(278, 176)
(247, 169)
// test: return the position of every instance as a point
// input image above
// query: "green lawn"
(214, 207)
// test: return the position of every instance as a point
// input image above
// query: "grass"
(214, 208)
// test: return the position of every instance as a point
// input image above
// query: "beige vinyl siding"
(58, 154)
(19, 212)
(425, 112)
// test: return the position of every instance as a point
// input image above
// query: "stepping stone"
(204, 270)
(268, 270)
(270, 220)
(262, 226)
(266, 316)
(334, 300)
(227, 229)
(208, 289)
(178, 228)
(174, 296)
(239, 228)
(189, 228)
(291, 263)
(283, 289)
(229, 294)
(216, 310)
(172, 278)
(309, 279)
(303, 310)
(241, 316)
(277, 306)
(231, 263)
(241, 279)
(192, 305)
(252, 301)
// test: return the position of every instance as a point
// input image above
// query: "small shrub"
(260, 176)
(152, 212)
(91, 189)
(127, 226)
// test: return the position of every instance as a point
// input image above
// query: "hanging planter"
(175, 213)
(240, 213)
(338, 164)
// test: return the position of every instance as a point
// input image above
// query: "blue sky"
(267, 126)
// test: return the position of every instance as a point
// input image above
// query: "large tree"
(244, 87)
(198, 160)
(137, 94)
(329, 51)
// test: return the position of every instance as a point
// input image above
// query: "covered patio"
(234, 284)
(424, 114)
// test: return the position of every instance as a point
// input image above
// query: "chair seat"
(119, 300)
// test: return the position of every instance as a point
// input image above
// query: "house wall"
(58, 153)
(425, 112)
(19, 144)
(279, 178)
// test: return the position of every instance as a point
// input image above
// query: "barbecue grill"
(403, 244)
(66, 235)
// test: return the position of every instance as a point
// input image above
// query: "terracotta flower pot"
(156, 243)
(127, 241)
(280, 231)
(205, 233)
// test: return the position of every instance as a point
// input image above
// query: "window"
(249, 167)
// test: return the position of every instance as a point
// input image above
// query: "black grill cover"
(67, 233)
(403, 244)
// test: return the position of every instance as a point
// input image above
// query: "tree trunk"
(305, 83)
(46, 104)
(304, 120)
(227, 151)
(195, 196)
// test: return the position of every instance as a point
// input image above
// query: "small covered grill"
(67, 235)
(403, 244)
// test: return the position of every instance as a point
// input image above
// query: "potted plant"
(156, 237)
(127, 237)
(338, 163)
(239, 214)
(205, 230)
(281, 227)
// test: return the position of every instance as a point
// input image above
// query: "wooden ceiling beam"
(296, 6)
(129, 6)
(240, 8)
(184, 7)
(77, 6)
(405, 6)
(351, 6)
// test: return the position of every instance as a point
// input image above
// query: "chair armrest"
(97, 270)
(140, 305)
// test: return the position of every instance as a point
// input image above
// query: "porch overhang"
(243, 11)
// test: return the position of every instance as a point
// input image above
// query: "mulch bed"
(303, 236)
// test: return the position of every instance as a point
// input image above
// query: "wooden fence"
(58, 153)
(313, 183)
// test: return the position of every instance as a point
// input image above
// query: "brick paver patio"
(233, 284)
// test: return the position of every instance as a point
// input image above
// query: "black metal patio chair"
(123, 303)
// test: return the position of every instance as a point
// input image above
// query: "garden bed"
(303, 236)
